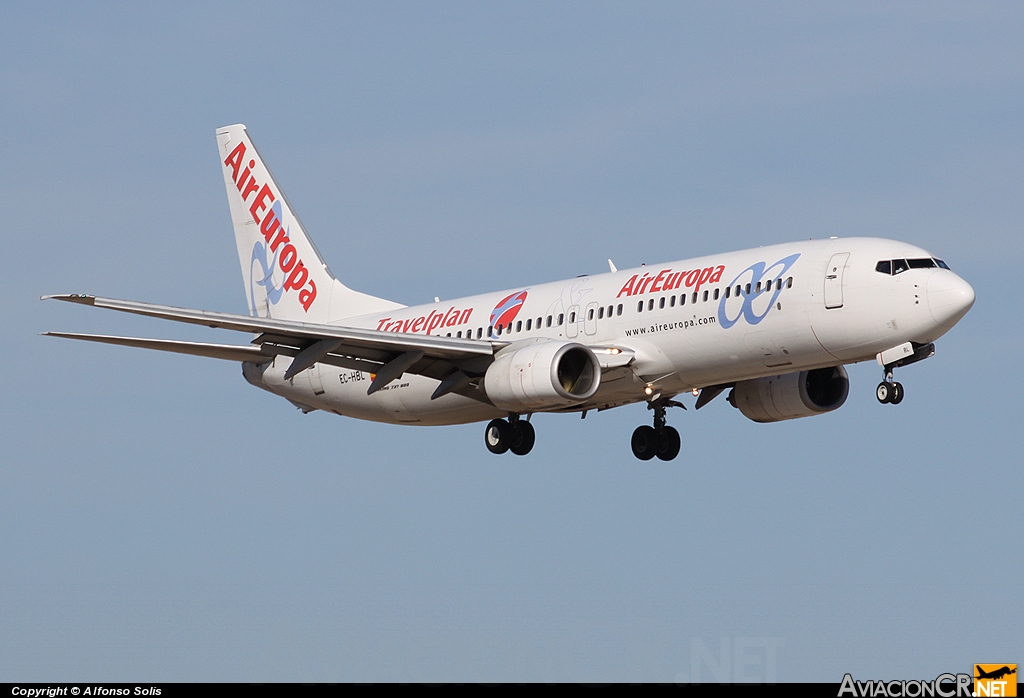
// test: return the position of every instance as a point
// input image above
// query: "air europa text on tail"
(273, 229)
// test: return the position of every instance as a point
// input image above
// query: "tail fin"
(284, 275)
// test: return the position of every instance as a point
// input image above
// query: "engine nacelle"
(543, 375)
(792, 395)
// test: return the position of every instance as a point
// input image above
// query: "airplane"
(996, 674)
(774, 326)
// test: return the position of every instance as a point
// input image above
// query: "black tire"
(644, 442)
(498, 436)
(883, 392)
(897, 394)
(523, 437)
(668, 444)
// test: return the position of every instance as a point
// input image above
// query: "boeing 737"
(774, 326)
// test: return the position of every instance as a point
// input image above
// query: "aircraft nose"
(949, 297)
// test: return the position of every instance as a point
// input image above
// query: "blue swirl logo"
(743, 304)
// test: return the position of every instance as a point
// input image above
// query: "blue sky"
(162, 520)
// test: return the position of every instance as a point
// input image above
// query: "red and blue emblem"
(507, 309)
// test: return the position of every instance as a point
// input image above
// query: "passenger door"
(834, 280)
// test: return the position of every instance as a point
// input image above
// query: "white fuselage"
(682, 328)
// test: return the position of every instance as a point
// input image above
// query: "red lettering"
(692, 277)
(245, 176)
(656, 286)
(282, 236)
(405, 325)
(705, 274)
(250, 188)
(417, 324)
(643, 284)
(679, 281)
(380, 324)
(717, 276)
(307, 296)
(297, 279)
(234, 160)
(436, 321)
(288, 257)
(627, 288)
(465, 316)
(454, 319)
(269, 225)
(260, 202)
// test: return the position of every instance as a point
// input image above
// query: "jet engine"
(543, 375)
(791, 395)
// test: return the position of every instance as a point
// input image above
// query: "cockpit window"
(899, 266)
(942, 265)
(925, 263)
(884, 267)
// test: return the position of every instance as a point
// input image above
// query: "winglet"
(71, 298)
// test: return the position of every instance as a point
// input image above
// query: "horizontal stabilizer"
(229, 352)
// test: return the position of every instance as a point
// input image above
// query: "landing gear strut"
(889, 391)
(516, 435)
(660, 440)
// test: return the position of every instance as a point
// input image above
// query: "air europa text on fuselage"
(426, 323)
(668, 280)
(273, 230)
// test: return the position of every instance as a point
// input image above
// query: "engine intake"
(792, 395)
(543, 375)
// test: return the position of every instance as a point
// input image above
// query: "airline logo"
(668, 280)
(507, 309)
(755, 290)
(266, 211)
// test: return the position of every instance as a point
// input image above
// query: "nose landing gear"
(514, 435)
(889, 391)
(660, 440)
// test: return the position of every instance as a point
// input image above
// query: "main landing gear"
(660, 440)
(889, 391)
(516, 435)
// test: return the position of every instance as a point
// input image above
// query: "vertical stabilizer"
(284, 275)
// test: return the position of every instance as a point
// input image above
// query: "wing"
(455, 362)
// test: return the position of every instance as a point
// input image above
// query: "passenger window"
(497, 330)
(458, 335)
(778, 284)
(672, 302)
(757, 289)
(705, 297)
(448, 335)
(572, 316)
(661, 302)
(600, 313)
(926, 263)
(519, 326)
(746, 289)
(479, 331)
(548, 323)
(561, 317)
(640, 307)
(727, 289)
(693, 298)
(738, 289)
(529, 325)
(899, 266)
(716, 294)
(590, 314)
(618, 310)
(609, 311)
(941, 264)
(884, 267)
(789, 282)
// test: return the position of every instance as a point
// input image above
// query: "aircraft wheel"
(644, 442)
(498, 436)
(668, 444)
(897, 394)
(883, 392)
(523, 437)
